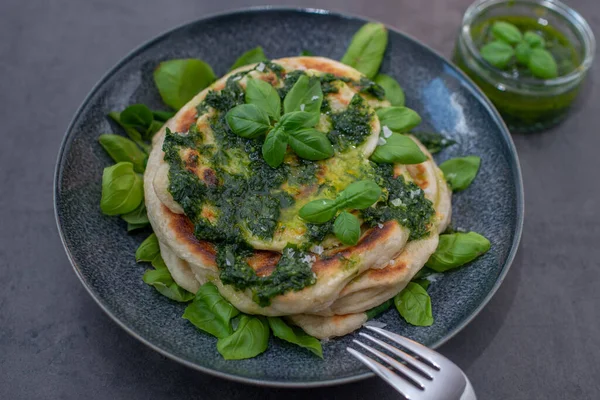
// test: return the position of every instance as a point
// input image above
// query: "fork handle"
(469, 393)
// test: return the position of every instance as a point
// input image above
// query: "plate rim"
(476, 91)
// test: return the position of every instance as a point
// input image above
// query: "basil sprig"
(346, 227)
(178, 81)
(460, 172)
(252, 56)
(264, 96)
(295, 335)
(414, 304)
(122, 189)
(210, 311)
(305, 95)
(456, 249)
(366, 49)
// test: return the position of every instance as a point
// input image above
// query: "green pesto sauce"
(351, 126)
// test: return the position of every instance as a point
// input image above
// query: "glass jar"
(527, 104)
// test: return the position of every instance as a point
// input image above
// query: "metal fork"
(421, 373)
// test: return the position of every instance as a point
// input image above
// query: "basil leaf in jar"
(460, 172)
(497, 53)
(249, 339)
(210, 311)
(542, 64)
(393, 92)
(297, 120)
(523, 52)
(252, 56)
(306, 95)
(414, 304)
(137, 116)
(398, 149)
(380, 309)
(366, 49)
(122, 189)
(274, 147)
(310, 144)
(398, 119)
(534, 40)
(347, 228)
(148, 250)
(358, 195)
(456, 249)
(160, 278)
(506, 32)
(295, 336)
(137, 218)
(120, 148)
(318, 211)
(248, 121)
(264, 96)
(180, 80)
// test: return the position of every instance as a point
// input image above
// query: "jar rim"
(566, 12)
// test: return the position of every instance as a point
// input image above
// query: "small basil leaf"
(211, 312)
(297, 120)
(523, 52)
(264, 96)
(533, 39)
(295, 335)
(307, 53)
(435, 142)
(506, 32)
(398, 149)
(131, 132)
(249, 339)
(154, 127)
(380, 309)
(163, 116)
(542, 64)
(366, 49)
(398, 119)
(120, 148)
(248, 121)
(414, 304)
(347, 228)
(137, 116)
(274, 147)
(178, 81)
(456, 249)
(122, 189)
(358, 195)
(393, 91)
(306, 95)
(137, 216)
(161, 279)
(133, 227)
(310, 144)
(148, 250)
(252, 56)
(460, 172)
(318, 211)
(497, 53)
(423, 282)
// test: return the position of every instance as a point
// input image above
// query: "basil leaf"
(264, 96)
(534, 40)
(178, 81)
(456, 249)
(424, 283)
(398, 149)
(252, 56)
(154, 127)
(380, 309)
(148, 250)
(497, 53)
(274, 147)
(506, 32)
(297, 120)
(307, 53)
(435, 142)
(161, 279)
(131, 132)
(318, 211)
(137, 116)
(306, 95)
(414, 304)
(366, 49)
(347, 228)
(310, 144)
(133, 227)
(211, 312)
(163, 116)
(137, 216)
(393, 91)
(248, 121)
(295, 335)
(542, 64)
(249, 339)
(120, 148)
(460, 172)
(523, 52)
(358, 195)
(122, 189)
(398, 119)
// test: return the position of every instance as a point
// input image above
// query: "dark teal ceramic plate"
(102, 252)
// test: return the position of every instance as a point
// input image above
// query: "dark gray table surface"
(539, 337)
